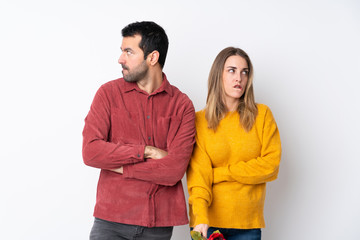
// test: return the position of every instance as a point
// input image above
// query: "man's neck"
(151, 82)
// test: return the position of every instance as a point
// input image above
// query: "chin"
(237, 96)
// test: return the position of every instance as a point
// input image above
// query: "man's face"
(132, 59)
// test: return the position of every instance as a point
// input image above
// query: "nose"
(238, 78)
(121, 59)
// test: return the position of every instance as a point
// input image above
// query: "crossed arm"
(202, 174)
(149, 152)
(138, 161)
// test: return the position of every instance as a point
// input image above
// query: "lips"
(238, 87)
(124, 67)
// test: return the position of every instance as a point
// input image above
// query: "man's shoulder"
(111, 87)
(112, 83)
(180, 96)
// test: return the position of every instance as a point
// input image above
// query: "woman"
(237, 151)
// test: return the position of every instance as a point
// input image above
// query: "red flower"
(216, 236)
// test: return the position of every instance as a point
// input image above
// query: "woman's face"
(235, 77)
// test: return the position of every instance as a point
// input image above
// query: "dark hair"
(153, 37)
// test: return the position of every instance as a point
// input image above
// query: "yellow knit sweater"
(229, 169)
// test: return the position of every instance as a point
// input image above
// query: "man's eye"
(128, 52)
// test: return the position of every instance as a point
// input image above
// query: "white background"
(54, 55)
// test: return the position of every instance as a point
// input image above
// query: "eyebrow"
(232, 67)
(125, 49)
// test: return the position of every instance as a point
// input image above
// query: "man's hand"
(202, 228)
(118, 170)
(150, 152)
(154, 153)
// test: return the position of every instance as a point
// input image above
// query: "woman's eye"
(244, 72)
(231, 70)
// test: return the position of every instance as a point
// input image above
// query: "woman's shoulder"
(264, 113)
(262, 107)
(200, 114)
(200, 117)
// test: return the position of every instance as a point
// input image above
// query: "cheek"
(226, 82)
(245, 83)
(227, 88)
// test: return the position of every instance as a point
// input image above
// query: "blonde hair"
(215, 108)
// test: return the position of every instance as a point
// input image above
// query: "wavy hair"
(215, 108)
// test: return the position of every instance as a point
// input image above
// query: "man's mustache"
(124, 67)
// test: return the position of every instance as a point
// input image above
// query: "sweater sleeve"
(259, 170)
(169, 170)
(97, 150)
(199, 181)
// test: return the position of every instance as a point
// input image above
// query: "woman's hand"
(202, 228)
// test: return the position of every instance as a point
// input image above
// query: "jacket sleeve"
(259, 170)
(169, 170)
(97, 150)
(199, 182)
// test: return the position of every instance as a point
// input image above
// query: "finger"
(204, 233)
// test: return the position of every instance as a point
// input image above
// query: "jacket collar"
(164, 87)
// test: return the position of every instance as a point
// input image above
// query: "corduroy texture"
(123, 120)
(229, 169)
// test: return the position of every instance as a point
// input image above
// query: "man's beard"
(137, 74)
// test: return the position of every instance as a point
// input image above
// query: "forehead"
(236, 61)
(131, 42)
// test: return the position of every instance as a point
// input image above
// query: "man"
(140, 133)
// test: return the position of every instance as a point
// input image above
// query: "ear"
(153, 57)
